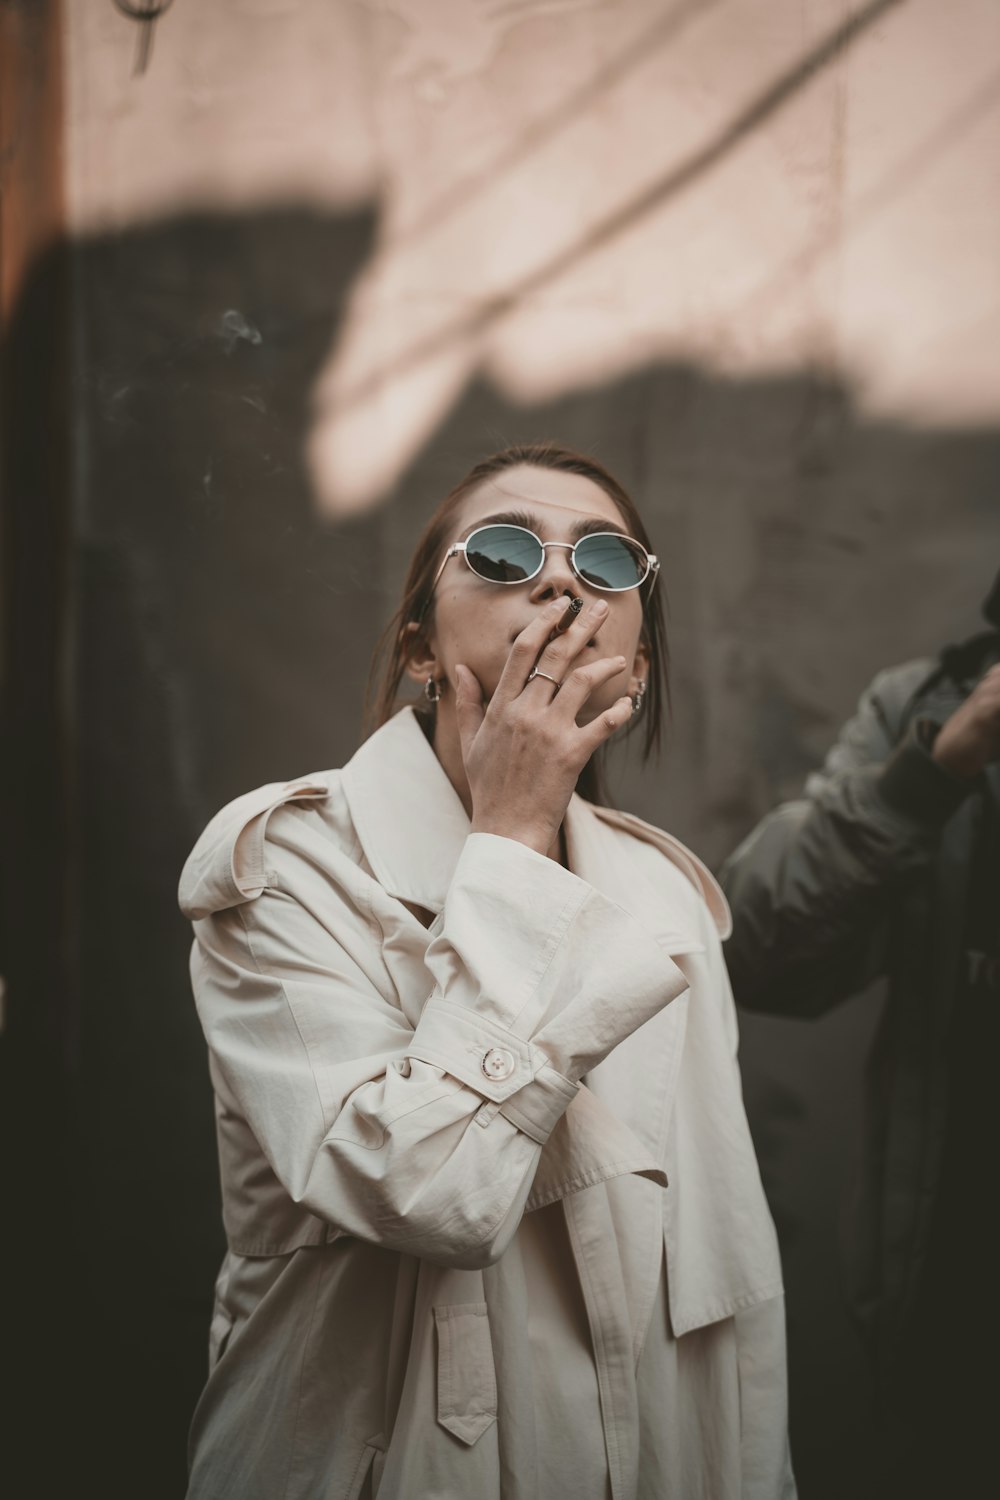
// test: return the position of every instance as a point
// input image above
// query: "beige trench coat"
(393, 1098)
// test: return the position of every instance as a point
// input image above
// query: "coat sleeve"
(809, 888)
(424, 1137)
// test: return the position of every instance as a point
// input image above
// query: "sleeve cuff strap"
(537, 1109)
(495, 1063)
(913, 784)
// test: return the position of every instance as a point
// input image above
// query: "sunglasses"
(507, 554)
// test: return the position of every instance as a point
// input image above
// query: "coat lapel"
(637, 1082)
(639, 1076)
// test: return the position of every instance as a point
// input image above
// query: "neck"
(448, 748)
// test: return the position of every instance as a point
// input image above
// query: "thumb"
(469, 708)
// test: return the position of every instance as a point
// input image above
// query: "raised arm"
(422, 1138)
(809, 888)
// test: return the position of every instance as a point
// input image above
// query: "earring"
(638, 695)
(433, 689)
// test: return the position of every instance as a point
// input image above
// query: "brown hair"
(392, 652)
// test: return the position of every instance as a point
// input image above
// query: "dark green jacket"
(869, 875)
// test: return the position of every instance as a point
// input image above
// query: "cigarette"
(573, 608)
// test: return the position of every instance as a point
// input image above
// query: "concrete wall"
(324, 256)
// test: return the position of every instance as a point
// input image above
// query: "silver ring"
(536, 673)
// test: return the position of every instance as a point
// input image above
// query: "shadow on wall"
(213, 631)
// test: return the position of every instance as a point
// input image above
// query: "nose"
(557, 577)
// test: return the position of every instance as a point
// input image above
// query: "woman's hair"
(393, 650)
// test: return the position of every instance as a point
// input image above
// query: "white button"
(498, 1064)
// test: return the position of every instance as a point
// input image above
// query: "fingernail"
(600, 607)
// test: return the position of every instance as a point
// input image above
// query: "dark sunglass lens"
(609, 562)
(504, 554)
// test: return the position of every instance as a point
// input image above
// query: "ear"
(418, 649)
(640, 665)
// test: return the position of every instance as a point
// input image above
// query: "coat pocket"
(467, 1383)
(363, 1481)
(219, 1333)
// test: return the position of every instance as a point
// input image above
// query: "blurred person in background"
(495, 1223)
(889, 866)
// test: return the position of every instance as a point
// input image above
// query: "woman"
(495, 1223)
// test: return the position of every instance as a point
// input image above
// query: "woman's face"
(475, 622)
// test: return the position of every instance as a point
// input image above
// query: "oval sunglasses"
(502, 553)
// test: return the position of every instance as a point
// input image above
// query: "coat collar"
(408, 817)
(411, 826)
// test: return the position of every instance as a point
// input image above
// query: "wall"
(324, 255)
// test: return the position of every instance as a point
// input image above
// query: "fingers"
(583, 680)
(533, 647)
(593, 736)
(524, 652)
(559, 654)
(469, 709)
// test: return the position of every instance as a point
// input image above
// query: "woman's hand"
(524, 750)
